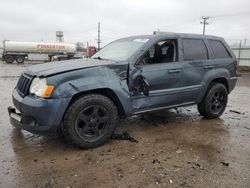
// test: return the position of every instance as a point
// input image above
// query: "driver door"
(160, 75)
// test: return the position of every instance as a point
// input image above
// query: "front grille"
(23, 85)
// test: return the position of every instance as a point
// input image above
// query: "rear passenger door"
(197, 63)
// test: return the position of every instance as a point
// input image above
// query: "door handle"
(174, 71)
(209, 67)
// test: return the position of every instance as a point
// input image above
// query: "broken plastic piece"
(124, 136)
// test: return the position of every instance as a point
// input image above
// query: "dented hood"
(48, 69)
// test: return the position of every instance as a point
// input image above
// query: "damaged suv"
(84, 98)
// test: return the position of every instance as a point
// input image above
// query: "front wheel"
(90, 120)
(215, 101)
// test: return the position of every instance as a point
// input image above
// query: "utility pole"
(204, 22)
(245, 41)
(98, 39)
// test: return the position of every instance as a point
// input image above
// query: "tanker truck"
(19, 51)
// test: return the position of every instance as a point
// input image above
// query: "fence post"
(239, 52)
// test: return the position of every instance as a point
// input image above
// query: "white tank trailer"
(19, 51)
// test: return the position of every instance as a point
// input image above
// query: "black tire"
(9, 58)
(215, 101)
(20, 59)
(90, 121)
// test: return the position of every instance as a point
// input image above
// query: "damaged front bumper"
(24, 123)
(37, 115)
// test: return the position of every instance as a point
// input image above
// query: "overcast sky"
(36, 20)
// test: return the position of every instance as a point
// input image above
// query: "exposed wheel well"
(106, 92)
(222, 81)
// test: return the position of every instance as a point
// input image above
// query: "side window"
(218, 49)
(162, 52)
(194, 49)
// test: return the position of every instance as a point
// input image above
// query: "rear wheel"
(20, 58)
(9, 58)
(215, 101)
(90, 120)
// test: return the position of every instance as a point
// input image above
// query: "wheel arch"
(107, 92)
(221, 77)
(221, 80)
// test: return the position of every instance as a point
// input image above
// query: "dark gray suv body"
(129, 76)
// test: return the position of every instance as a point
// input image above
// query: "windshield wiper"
(98, 58)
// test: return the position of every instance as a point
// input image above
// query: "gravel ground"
(176, 148)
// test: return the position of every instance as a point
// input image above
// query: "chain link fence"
(241, 49)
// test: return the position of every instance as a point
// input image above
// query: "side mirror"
(139, 64)
(145, 87)
(141, 85)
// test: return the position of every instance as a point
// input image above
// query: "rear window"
(194, 49)
(219, 49)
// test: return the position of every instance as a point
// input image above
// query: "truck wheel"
(215, 101)
(9, 58)
(90, 120)
(20, 58)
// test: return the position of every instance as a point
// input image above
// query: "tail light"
(235, 64)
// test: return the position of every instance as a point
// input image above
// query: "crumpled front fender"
(89, 80)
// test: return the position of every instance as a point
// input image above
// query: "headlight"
(40, 88)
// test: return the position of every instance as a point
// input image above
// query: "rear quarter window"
(218, 49)
(194, 49)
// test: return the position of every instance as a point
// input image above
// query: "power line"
(231, 15)
(204, 22)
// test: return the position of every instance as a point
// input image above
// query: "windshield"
(120, 50)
